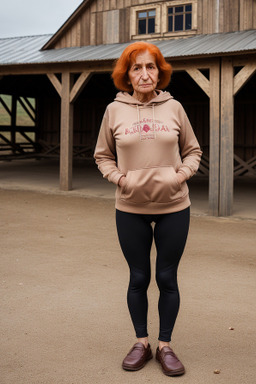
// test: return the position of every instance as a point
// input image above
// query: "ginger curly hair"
(123, 64)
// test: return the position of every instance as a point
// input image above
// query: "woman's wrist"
(181, 177)
(121, 181)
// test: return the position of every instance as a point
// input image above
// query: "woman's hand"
(181, 178)
(121, 181)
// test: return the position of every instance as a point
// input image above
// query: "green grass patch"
(22, 118)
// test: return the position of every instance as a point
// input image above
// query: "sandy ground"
(63, 279)
(43, 176)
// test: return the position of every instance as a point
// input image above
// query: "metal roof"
(27, 50)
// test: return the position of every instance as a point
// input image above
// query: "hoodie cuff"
(115, 177)
(186, 171)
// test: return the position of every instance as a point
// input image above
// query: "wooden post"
(68, 92)
(214, 139)
(66, 134)
(13, 122)
(212, 89)
(226, 138)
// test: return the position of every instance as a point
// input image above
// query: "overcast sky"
(34, 17)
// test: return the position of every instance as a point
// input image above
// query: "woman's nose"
(144, 73)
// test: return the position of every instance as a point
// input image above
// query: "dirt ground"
(64, 318)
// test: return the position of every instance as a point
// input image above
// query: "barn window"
(146, 22)
(180, 18)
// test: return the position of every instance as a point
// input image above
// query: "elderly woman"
(146, 146)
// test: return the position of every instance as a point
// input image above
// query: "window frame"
(161, 20)
(147, 18)
(134, 21)
(177, 3)
(181, 14)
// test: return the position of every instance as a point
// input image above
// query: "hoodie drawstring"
(138, 118)
(153, 124)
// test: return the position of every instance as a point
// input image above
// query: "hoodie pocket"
(159, 184)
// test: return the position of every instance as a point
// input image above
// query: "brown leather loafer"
(170, 363)
(137, 357)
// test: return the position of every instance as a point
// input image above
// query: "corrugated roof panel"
(27, 50)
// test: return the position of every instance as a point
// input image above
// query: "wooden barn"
(63, 82)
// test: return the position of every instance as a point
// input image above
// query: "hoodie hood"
(126, 98)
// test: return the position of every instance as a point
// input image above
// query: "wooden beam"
(226, 138)
(200, 79)
(243, 76)
(79, 86)
(55, 82)
(66, 142)
(45, 69)
(214, 164)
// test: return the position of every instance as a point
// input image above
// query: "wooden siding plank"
(120, 4)
(110, 27)
(205, 16)
(99, 28)
(68, 39)
(221, 16)
(113, 4)
(93, 7)
(246, 14)
(85, 29)
(93, 29)
(87, 22)
(106, 5)
(127, 3)
(73, 35)
(243, 76)
(234, 16)
(78, 34)
(99, 5)
(254, 15)
(226, 138)
(124, 25)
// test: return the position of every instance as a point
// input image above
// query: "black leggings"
(136, 234)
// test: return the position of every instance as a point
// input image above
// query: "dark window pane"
(142, 27)
(151, 25)
(152, 13)
(170, 24)
(178, 9)
(142, 15)
(179, 23)
(188, 21)
(188, 8)
(170, 10)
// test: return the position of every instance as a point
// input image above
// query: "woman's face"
(143, 74)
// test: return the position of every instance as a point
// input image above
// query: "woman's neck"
(144, 97)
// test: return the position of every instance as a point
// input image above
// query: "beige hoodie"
(148, 143)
